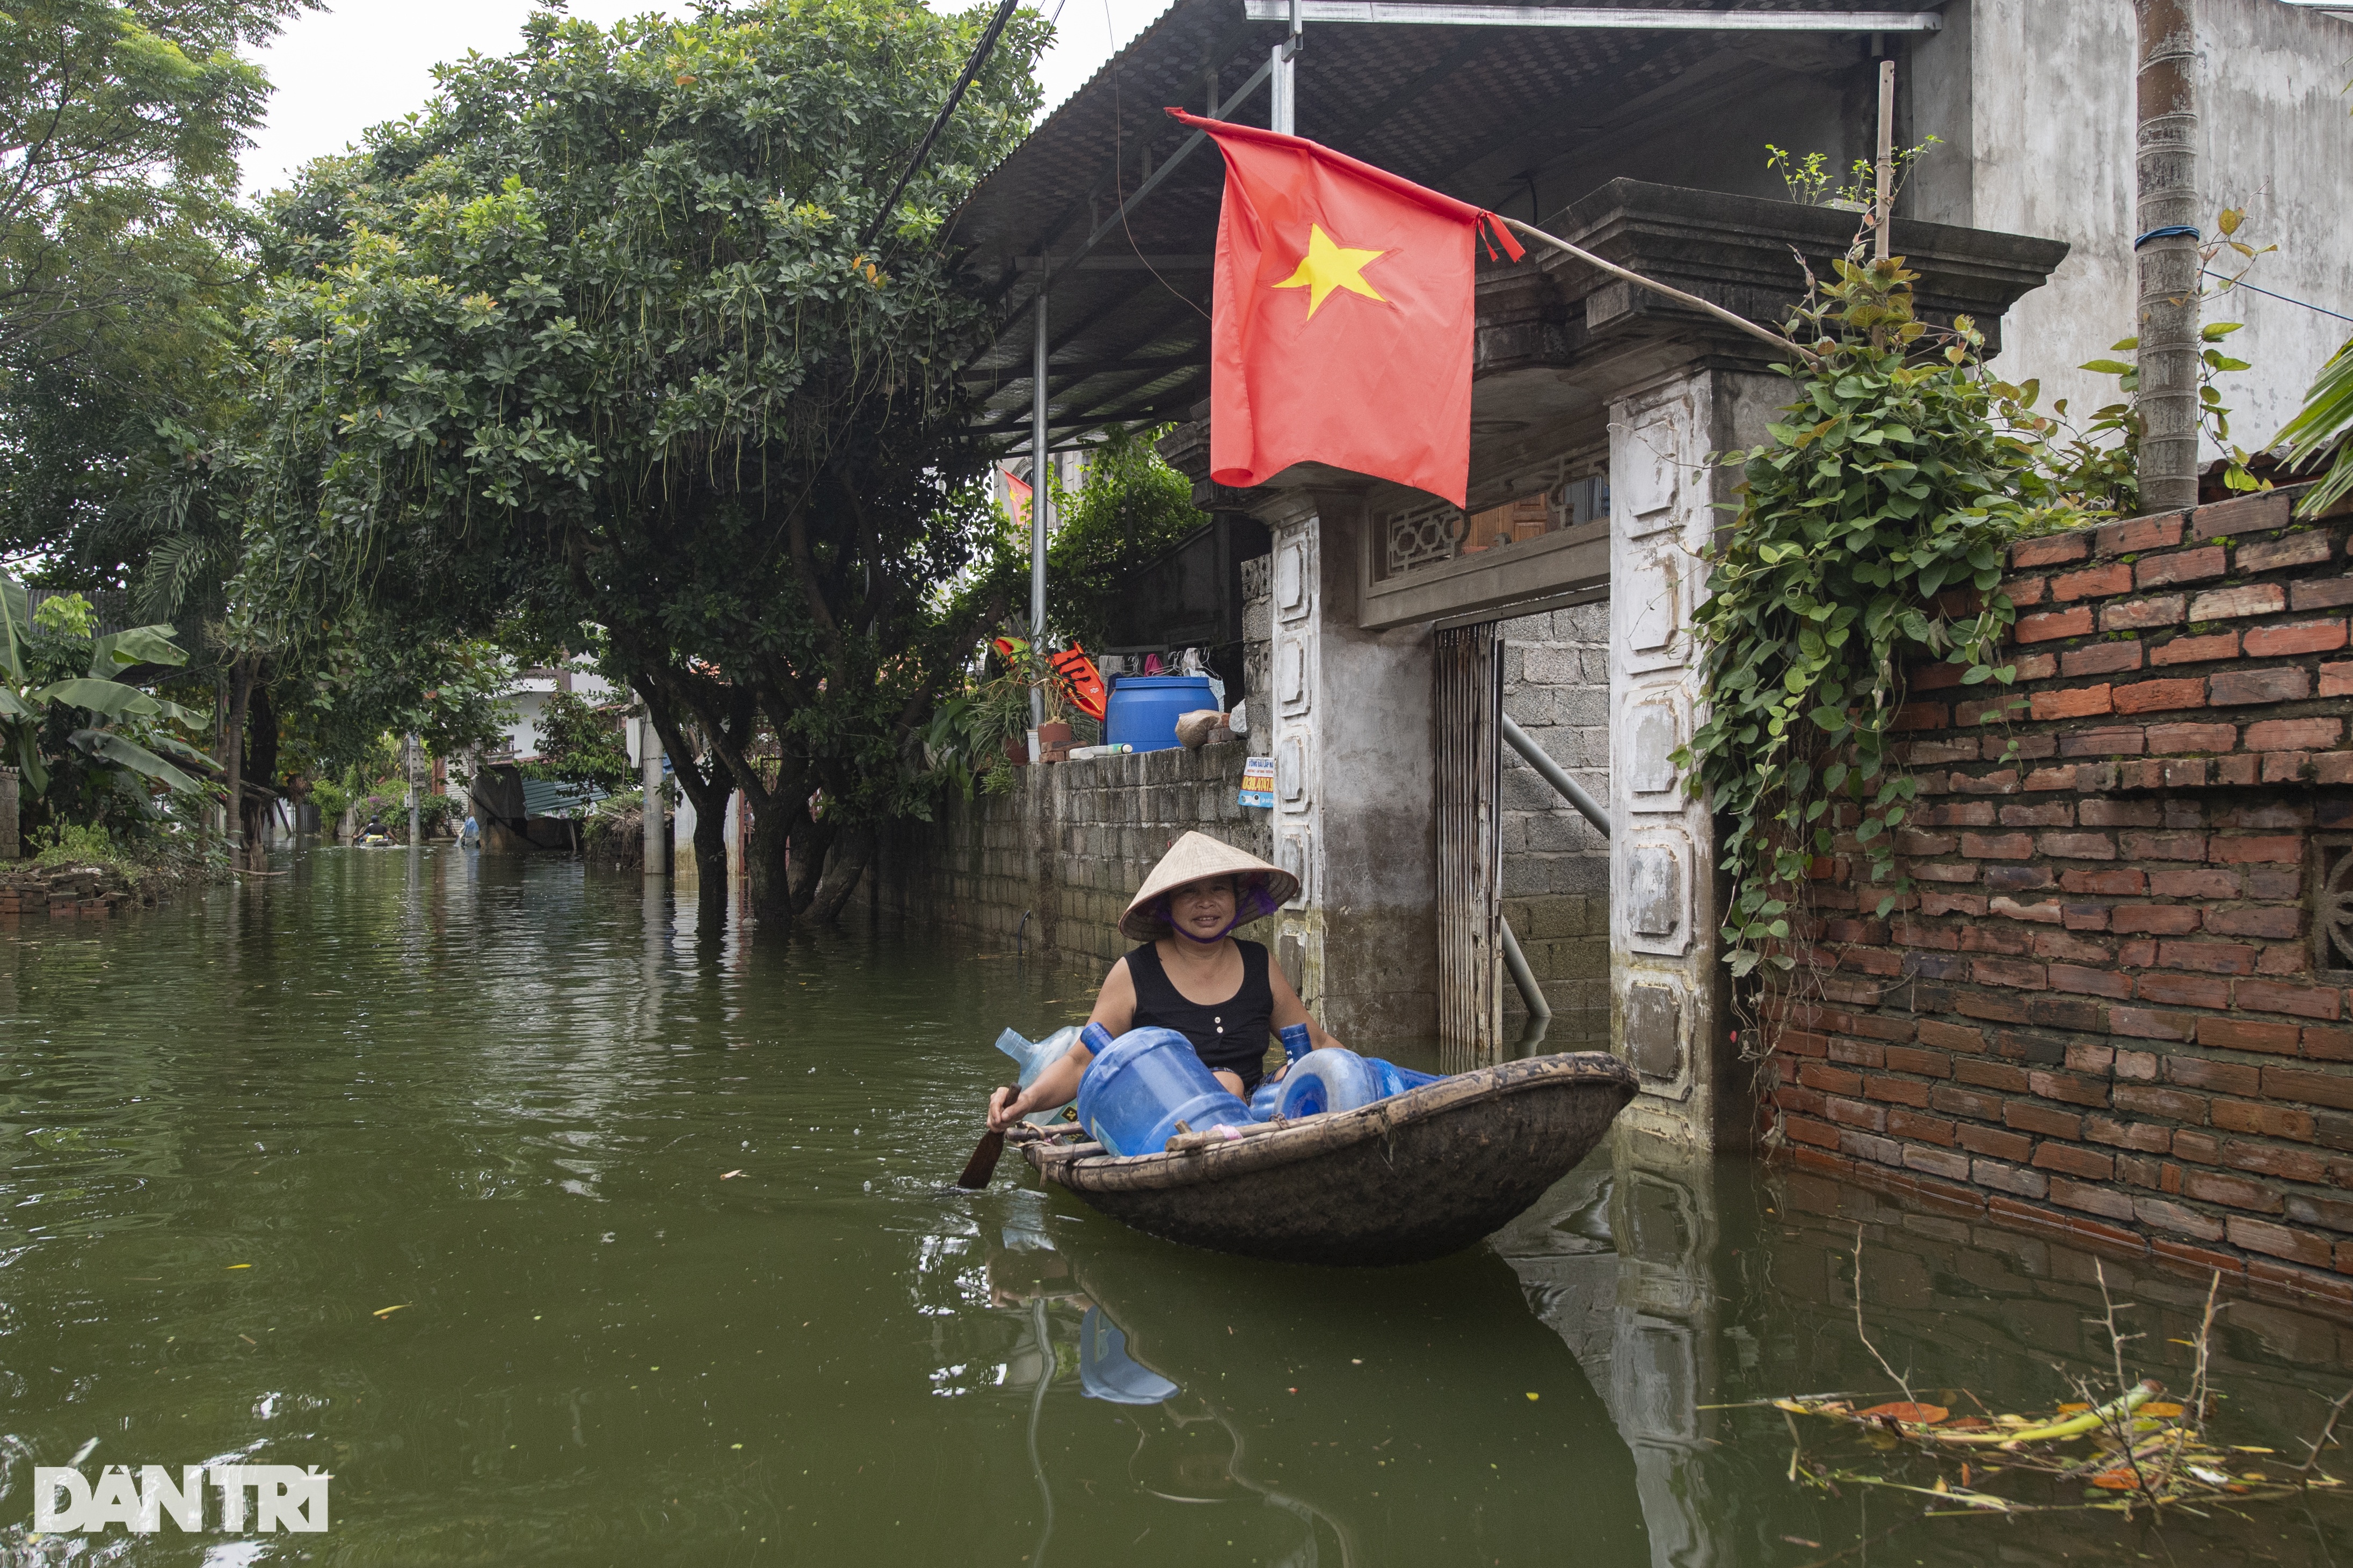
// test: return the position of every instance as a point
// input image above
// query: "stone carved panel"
(1651, 483)
(1656, 893)
(1293, 848)
(1654, 1031)
(1294, 693)
(1293, 582)
(1654, 601)
(1654, 732)
(1291, 773)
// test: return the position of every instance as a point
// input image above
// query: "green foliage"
(1130, 508)
(89, 747)
(1870, 535)
(580, 744)
(592, 339)
(2324, 421)
(1808, 179)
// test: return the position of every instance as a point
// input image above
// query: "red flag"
(1017, 497)
(1341, 328)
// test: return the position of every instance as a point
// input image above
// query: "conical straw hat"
(1195, 858)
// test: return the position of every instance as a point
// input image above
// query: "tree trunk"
(767, 861)
(710, 862)
(241, 693)
(812, 838)
(2167, 175)
(853, 849)
(257, 799)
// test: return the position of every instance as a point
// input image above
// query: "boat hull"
(1407, 1179)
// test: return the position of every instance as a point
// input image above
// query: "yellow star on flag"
(1326, 267)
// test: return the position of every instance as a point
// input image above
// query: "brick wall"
(1555, 865)
(2107, 1008)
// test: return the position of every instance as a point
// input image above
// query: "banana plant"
(2323, 423)
(113, 723)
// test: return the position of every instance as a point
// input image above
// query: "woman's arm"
(1288, 1009)
(1059, 1084)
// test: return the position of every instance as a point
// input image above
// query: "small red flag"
(1343, 316)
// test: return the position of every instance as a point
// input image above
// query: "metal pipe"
(1573, 792)
(649, 788)
(1539, 1010)
(1040, 487)
(1435, 13)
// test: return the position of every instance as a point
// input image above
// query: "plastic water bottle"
(1096, 1039)
(1296, 1043)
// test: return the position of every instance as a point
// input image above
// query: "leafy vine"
(1870, 535)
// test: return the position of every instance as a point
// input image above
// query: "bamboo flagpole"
(1883, 215)
(1693, 300)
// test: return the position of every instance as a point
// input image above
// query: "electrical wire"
(972, 68)
(2230, 283)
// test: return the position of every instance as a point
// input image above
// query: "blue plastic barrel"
(1142, 710)
(1134, 1094)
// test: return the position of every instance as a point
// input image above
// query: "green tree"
(593, 337)
(1130, 508)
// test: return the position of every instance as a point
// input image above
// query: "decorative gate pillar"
(1669, 1013)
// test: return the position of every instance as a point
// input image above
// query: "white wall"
(2042, 91)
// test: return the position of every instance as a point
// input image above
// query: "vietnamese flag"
(1343, 313)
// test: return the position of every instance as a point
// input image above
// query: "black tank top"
(1232, 1034)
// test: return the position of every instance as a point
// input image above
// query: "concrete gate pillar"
(1350, 731)
(1670, 1017)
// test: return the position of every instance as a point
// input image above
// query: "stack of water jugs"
(1140, 1086)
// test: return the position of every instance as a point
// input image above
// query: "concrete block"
(1551, 665)
(1529, 706)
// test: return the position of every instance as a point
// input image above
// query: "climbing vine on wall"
(1871, 534)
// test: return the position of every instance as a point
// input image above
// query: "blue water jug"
(1135, 1092)
(1296, 1043)
(1142, 710)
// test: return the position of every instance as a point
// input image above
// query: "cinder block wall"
(2120, 1002)
(1068, 845)
(1555, 865)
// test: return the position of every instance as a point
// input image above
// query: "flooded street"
(564, 1232)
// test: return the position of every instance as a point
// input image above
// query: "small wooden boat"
(1402, 1180)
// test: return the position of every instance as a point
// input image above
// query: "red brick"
(2234, 689)
(2227, 604)
(2299, 636)
(2078, 981)
(1997, 846)
(2194, 884)
(2077, 702)
(2303, 1001)
(2136, 1067)
(2100, 658)
(2238, 1191)
(1829, 1080)
(2141, 1024)
(2238, 850)
(1919, 716)
(2077, 845)
(2195, 651)
(2045, 813)
(2328, 1044)
(2334, 768)
(2279, 922)
(2203, 1147)
(2029, 1117)
(2140, 1135)
(2146, 1100)
(2009, 972)
(1997, 1142)
(2105, 740)
(2278, 1241)
(2165, 846)
(2138, 614)
(1950, 1036)
(2075, 1162)
(2184, 990)
(2225, 1078)
(2272, 1160)
(1804, 1129)
(2068, 1088)
(2294, 734)
(1912, 1059)
(2240, 516)
(2158, 1215)
(2159, 531)
(2034, 666)
(2197, 1260)
(1937, 1162)
(2296, 550)
(2163, 920)
(1896, 1090)
(2257, 1115)
(2337, 680)
(1998, 1007)
(2247, 1034)
(2010, 1179)
(2207, 957)
(2182, 566)
(2174, 738)
(1855, 1113)
(2156, 696)
(2052, 624)
(1903, 1123)
(1964, 1102)
(1995, 1074)
(2307, 1086)
(2096, 582)
(2054, 549)
(2098, 1200)
(2325, 595)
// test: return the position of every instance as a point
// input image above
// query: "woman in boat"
(1189, 974)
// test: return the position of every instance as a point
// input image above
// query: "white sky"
(363, 62)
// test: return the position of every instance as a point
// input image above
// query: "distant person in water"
(1189, 974)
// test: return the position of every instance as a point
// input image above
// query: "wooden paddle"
(982, 1163)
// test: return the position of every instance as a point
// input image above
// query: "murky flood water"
(563, 1232)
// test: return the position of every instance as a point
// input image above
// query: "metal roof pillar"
(1040, 486)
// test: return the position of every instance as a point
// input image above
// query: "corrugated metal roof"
(1466, 111)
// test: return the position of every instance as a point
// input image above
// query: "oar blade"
(982, 1163)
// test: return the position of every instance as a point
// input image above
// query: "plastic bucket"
(1134, 1094)
(1142, 710)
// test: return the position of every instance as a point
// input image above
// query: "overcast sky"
(362, 62)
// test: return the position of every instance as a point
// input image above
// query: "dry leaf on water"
(1910, 1415)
